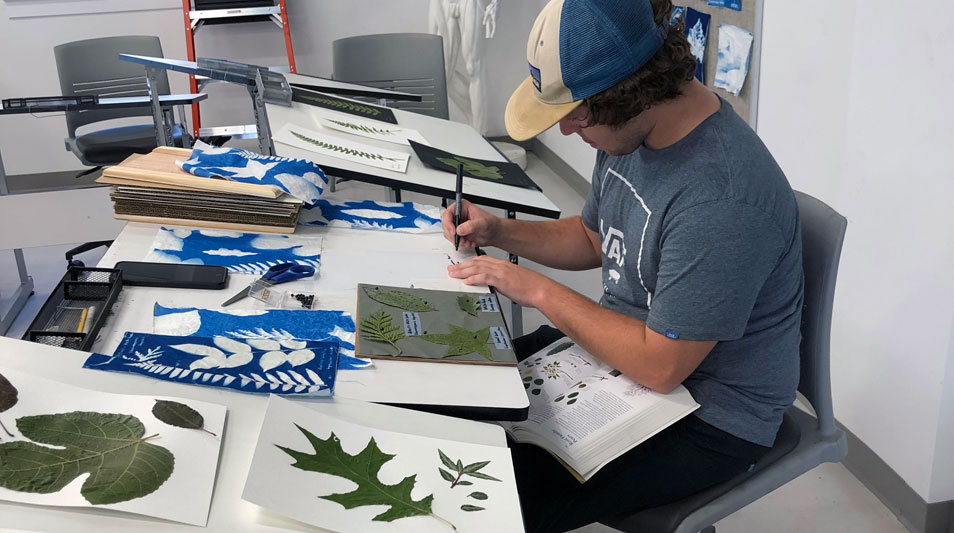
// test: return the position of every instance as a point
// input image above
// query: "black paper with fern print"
(359, 109)
(481, 169)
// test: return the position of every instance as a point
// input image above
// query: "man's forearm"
(561, 244)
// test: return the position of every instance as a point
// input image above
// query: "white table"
(229, 513)
(349, 257)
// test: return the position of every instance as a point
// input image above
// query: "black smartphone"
(144, 274)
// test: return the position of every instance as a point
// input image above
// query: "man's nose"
(568, 127)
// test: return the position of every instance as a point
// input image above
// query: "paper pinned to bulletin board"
(748, 17)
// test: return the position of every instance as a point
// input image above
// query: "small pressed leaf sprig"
(378, 327)
(472, 470)
(342, 149)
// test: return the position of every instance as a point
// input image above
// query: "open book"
(585, 412)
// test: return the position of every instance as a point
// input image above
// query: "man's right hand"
(477, 227)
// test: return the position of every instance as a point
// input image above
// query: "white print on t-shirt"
(617, 252)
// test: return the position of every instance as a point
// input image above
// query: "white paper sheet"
(342, 148)
(185, 497)
(372, 129)
(275, 484)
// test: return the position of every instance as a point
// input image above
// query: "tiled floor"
(827, 499)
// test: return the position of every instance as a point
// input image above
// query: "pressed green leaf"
(362, 128)
(480, 475)
(473, 168)
(448, 462)
(344, 104)
(462, 341)
(446, 475)
(560, 347)
(459, 466)
(470, 508)
(468, 304)
(109, 447)
(8, 398)
(400, 299)
(478, 495)
(473, 467)
(179, 415)
(341, 149)
(378, 327)
(362, 469)
(464, 482)
(538, 382)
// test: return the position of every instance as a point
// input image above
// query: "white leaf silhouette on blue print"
(697, 33)
(733, 63)
(300, 178)
(242, 253)
(272, 324)
(255, 365)
(407, 217)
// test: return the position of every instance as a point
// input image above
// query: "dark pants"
(685, 458)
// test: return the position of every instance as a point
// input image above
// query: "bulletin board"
(749, 18)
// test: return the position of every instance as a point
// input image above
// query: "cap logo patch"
(535, 76)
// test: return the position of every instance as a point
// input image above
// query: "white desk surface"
(348, 257)
(229, 513)
(451, 136)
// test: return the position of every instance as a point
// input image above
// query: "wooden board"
(205, 224)
(159, 166)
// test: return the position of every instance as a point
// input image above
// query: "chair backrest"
(823, 232)
(408, 62)
(92, 66)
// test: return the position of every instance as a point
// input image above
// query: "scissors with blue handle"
(279, 273)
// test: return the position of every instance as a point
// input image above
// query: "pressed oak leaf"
(362, 469)
(462, 341)
(109, 447)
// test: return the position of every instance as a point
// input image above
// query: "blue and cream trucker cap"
(576, 49)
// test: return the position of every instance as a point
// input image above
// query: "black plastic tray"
(76, 310)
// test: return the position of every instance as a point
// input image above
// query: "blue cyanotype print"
(298, 177)
(407, 217)
(731, 4)
(697, 32)
(241, 253)
(249, 365)
(733, 64)
(275, 324)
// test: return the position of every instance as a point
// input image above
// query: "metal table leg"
(25, 289)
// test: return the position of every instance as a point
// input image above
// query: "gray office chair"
(93, 66)
(408, 62)
(803, 441)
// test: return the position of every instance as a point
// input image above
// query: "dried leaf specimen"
(8, 398)
(471, 508)
(362, 469)
(343, 104)
(458, 466)
(111, 448)
(461, 341)
(399, 299)
(179, 415)
(378, 327)
(362, 128)
(342, 149)
(560, 347)
(468, 304)
(477, 495)
(472, 167)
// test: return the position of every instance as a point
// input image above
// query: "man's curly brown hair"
(660, 79)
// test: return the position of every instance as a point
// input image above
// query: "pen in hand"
(459, 191)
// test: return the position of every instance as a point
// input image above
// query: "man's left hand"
(520, 284)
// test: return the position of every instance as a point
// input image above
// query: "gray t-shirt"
(701, 241)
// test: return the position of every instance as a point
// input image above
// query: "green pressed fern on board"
(361, 127)
(341, 149)
(344, 104)
(378, 327)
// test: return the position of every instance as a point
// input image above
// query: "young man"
(697, 233)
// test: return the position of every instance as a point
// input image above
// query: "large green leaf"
(109, 447)
(8, 398)
(462, 341)
(400, 299)
(362, 469)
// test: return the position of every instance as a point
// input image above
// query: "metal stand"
(25, 289)
(164, 135)
(257, 92)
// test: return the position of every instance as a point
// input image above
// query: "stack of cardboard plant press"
(152, 188)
